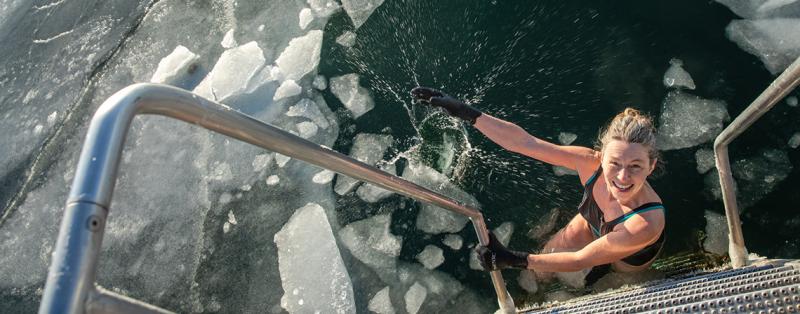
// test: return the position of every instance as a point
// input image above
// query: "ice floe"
(716, 240)
(453, 241)
(320, 82)
(415, 297)
(433, 219)
(775, 41)
(355, 98)
(287, 89)
(370, 193)
(347, 39)
(431, 257)
(313, 275)
(705, 160)
(566, 138)
(176, 66)
(370, 242)
(301, 56)
(381, 303)
(755, 177)
(677, 77)
(360, 10)
(305, 18)
(687, 120)
(232, 72)
(367, 148)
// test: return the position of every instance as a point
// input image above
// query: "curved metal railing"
(776, 91)
(70, 282)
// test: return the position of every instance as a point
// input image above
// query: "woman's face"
(625, 168)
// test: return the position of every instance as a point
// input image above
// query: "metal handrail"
(776, 91)
(70, 281)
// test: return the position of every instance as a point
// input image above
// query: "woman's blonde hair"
(630, 126)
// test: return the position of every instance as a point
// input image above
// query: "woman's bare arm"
(513, 138)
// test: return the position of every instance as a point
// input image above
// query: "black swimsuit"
(594, 216)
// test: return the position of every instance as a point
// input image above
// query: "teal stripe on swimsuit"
(649, 208)
(594, 176)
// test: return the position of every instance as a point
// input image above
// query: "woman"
(620, 220)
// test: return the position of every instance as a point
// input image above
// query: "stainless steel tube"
(776, 91)
(97, 167)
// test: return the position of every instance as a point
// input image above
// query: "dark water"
(565, 66)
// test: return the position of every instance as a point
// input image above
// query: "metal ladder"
(70, 286)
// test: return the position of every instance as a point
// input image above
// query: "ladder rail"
(776, 91)
(70, 281)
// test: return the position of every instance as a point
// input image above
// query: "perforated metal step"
(772, 288)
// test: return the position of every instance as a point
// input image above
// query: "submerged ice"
(433, 219)
(355, 98)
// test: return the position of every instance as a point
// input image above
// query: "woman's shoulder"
(588, 166)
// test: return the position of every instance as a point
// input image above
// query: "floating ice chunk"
(759, 9)
(308, 108)
(356, 98)
(231, 218)
(282, 159)
(794, 141)
(370, 241)
(181, 62)
(305, 18)
(273, 180)
(431, 257)
(360, 10)
(504, 232)
(453, 241)
(367, 148)
(307, 129)
(323, 8)
(527, 281)
(705, 160)
(320, 82)
(288, 88)
(261, 162)
(414, 297)
(267, 74)
(323, 177)
(261, 28)
(432, 219)
(677, 77)
(716, 233)
(687, 120)
(232, 72)
(563, 171)
(371, 193)
(775, 41)
(447, 154)
(301, 56)
(381, 303)
(311, 267)
(566, 138)
(791, 101)
(228, 41)
(347, 39)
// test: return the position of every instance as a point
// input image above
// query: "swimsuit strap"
(641, 209)
(592, 178)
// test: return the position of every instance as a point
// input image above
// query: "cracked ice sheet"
(37, 84)
(313, 275)
(145, 254)
(687, 120)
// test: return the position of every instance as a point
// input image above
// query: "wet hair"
(630, 126)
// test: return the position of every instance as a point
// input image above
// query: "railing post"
(776, 91)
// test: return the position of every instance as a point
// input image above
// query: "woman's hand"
(496, 256)
(454, 107)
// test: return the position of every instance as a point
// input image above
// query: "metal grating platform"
(770, 288)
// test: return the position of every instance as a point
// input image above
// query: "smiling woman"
(620, 221)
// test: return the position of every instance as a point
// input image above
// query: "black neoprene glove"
(454, 107)
(496, 256)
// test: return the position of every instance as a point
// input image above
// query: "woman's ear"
(653, 165)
